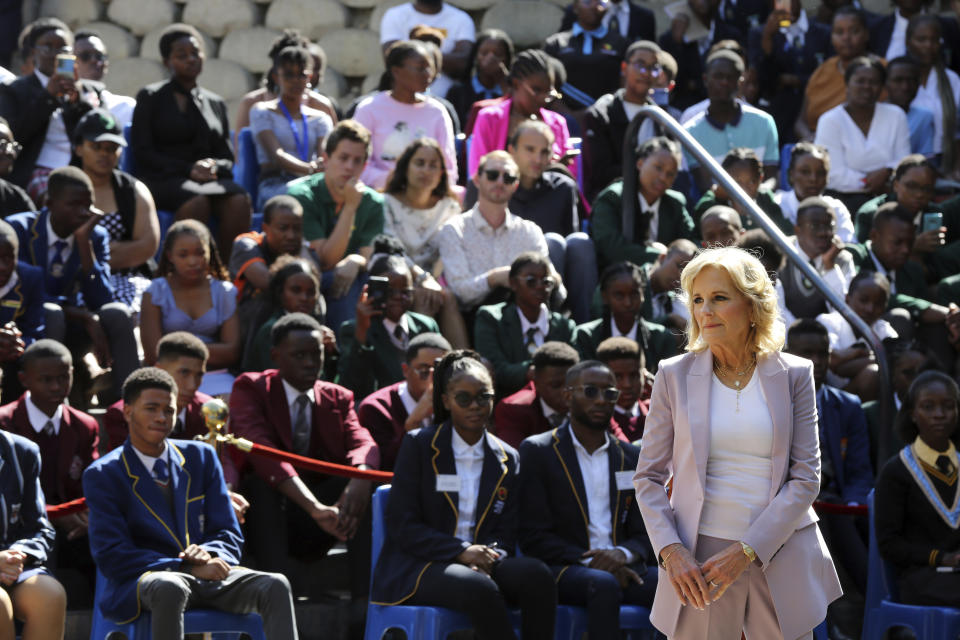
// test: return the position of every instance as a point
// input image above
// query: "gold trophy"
(215, 414)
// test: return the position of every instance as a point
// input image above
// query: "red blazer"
(520, 415)
(632, 426)
(117, 428)
(79, 442)
(382, 414)
(259, 412)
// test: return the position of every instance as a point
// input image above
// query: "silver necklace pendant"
(736, 383)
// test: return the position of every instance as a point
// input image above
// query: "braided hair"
(199, 231)
(450, 366)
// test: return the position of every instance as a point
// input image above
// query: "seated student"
(29, 594)
(149, 560)
(65, 241)
(661, 304)
(720, 225)
(93, 63)
(538, 406)
(733, 46)
(462, 557)
(622, 287)
(130, 216)
(288, 133)
(624, 357)
(374, 345)
(255, 252)
(578, 512)
(21, 308)
(816, 241)
(392, 411)
(852, 364)
(590, 51)
(341, 217)
(728, 124)
(846, 476)
(693, 30)
(288, 408)
(488, 65)
(744, 167)
(477, 247)
(509, 333)
(864, 137)
(551, 199)
(68, 440)
(806, 178)
(633, 21)
(193, 293)
(294, 286)
(622, 230)
(903, 83)
(605, 121)
(914, 181)
(182, 145)
(915, 491)
(13, 199)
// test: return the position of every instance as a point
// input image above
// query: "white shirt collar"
(797, 27)
(462, 450)
(11, 283)
(52, 236)
(615, 331)
(391, 326)
(547, 409)
(293, 393)
(653, 206)
(148, 461)
(621, 10)
(817, 261)
(44, 79)
(880, 268)
(542, 323)
(408, 402)
(483, 226)
(633, 411)
(38, 419)
(583, 449)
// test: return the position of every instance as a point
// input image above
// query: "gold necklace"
(723, 372)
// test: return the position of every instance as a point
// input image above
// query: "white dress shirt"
(52, 239)
(616, 333)
(838, 278)
(595, 471)
(148, 461)
(898, 39)
(292, 395)
(796, 31)
(542, 325)
(469, 461)
(928, 97)
(55, 152)
(409, 403)
(653, 207)
(548, 411)
(391, 326)
(854, 155)
(789, 203)
(879, 268)
(620, 9)
(38, 419)
(842, 335)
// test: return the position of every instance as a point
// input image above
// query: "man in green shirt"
(341, 217)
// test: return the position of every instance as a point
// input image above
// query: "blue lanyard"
(303, 147)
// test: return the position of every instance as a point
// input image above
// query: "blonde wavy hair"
(751, 279)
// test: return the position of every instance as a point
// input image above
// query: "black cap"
(99, 125)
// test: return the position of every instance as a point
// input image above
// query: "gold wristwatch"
(748, 551)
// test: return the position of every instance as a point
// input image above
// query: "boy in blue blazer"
(162, 529)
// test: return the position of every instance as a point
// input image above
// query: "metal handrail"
(666, 121)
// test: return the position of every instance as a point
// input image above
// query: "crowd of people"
(471, 277)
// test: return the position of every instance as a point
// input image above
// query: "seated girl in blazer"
(452, 516)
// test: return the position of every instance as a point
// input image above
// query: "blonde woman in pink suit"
(733, 422)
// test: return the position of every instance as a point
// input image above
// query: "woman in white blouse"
(865, 138)
(418, 201)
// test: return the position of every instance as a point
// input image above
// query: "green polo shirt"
(320, 212)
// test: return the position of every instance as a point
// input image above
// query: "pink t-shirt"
(394, 125)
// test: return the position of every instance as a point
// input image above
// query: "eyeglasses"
(87, 56)
(639, 67)
(547, 95)
(592, 392)
(533, 281)
(423, 371)
(493, 175)
(10, 148)
(464, 399)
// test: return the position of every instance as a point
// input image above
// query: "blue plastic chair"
(785, 154)
(223, 625)
(246, 171)
(882, 611)
(572, 622)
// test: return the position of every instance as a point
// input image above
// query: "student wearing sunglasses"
(577, 507)
(477, 247)
(93, 63)
(509, 333)
(452, 516)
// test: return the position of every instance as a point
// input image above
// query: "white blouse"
(853, 155)
(928, 97)
(417, 228)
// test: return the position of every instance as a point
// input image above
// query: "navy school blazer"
(554, 515)
(133, 530)
(23, 304)
(23, 511)
(421, 521)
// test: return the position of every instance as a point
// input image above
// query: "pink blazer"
(491, 128)
(676, 439)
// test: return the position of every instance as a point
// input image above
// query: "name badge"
(448, 482)
(624, 480)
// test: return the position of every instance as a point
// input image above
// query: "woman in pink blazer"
(733, 424)
(532, 86)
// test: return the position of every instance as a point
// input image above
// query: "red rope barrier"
(315, 465)
(66, 508)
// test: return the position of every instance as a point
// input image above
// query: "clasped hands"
(198, 562)
(700, 584)
(11, 565)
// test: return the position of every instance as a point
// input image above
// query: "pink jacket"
(491, 128)
(676, 439)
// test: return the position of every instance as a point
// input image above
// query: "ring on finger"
(715, 585)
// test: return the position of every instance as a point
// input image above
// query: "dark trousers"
(602, 596)
(523, 582)
(278, 529)
(847, 544)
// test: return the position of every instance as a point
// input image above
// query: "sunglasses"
(87, 56)
(590, 391)
(493, 175)
(423, 371)
(464, 399)
(533, 281)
